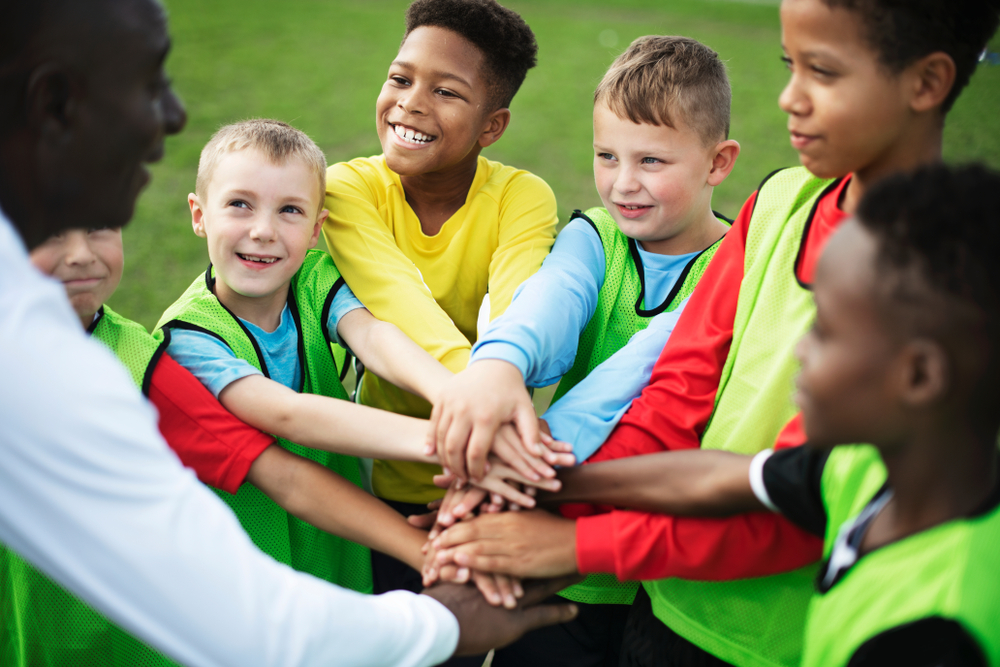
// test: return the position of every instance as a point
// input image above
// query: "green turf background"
(320, 64)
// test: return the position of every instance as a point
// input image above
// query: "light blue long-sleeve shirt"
(540, 331)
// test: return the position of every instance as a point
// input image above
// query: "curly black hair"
(903, 31)
(505, 40)
(938, 232)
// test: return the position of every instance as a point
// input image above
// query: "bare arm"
(321, 497)
(391, 355)
(325, 423)
(689, 482)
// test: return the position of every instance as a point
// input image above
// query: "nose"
(174, 114)
(262, 228)
(78, 251)
(793, 99)
(412, 101)
(625, 180)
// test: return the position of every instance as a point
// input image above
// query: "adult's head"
(84, 106)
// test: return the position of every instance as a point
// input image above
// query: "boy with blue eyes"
(257, 330)
(618, 274)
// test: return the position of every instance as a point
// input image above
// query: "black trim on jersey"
(793, 479)
(928, 642)
(180, 324)
(766, 179)
(580, 214)
(324, 317)
(293, 307)
(633, 248)
(723, 217)
(805, 232)
(147, 377)
(99, 315)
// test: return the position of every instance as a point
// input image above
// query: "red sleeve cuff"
(595, 544)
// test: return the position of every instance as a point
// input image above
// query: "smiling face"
(846, 111)
(260, 219)
(850, 357)
(89, 264)
(654, 180)
(434, 106)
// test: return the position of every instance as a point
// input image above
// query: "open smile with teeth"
(633, 207)
(411, 136)
(259, 260)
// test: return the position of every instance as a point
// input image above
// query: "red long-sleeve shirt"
(205, 436)
(672, 413)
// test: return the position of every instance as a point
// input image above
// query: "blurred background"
(319, 65)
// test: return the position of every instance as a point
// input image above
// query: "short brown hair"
(276, 140)
(659, 79)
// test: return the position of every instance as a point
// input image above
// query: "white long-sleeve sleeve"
(91, 495)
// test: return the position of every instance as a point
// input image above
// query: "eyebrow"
(438, 75)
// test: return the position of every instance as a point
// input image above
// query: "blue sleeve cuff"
(498, 349)
(343, 302)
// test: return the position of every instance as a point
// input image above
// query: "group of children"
(669, 327)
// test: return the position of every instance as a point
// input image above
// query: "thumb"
(547, 614)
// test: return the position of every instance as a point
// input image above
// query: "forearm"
(646, 546)
(693, 482)
(392, 356)
(326, 423)
(322, 498)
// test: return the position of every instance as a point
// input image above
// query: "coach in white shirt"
(89, 492)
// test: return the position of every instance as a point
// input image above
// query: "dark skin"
(872, 371)
(84, 109)
(437, 86)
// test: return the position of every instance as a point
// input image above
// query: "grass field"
(319, 65)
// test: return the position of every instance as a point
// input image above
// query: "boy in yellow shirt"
(424, 231)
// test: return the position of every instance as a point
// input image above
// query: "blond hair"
(660, 79)
(276, 140)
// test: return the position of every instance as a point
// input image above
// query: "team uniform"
(928, 599)
(219, 348)
(43, 625)
(724, 381)
(432, 287)
(595, 292)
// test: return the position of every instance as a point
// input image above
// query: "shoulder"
(505, 182)
(363, 172)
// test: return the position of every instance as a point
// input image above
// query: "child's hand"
(496, 588)
(471, 409)
(521, 544)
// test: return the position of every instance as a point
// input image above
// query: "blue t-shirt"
(540, 331)
(216, 366)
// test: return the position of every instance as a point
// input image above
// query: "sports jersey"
(930, 598)
(432, 287)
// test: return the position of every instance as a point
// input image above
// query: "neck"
(942, 474)
(922, 146)
(436, 196)
(263, 311)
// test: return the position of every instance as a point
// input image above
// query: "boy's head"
(259, 202)
(907, 329)
(661, 127)
(872, 79)
(89, 264)
(447, 92)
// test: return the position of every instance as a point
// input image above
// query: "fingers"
(527, 425)
(430, 443)
(547, 614)
(460, 533)
(508, 448)
(501, 488)
(537, 590)
(451, 436)
(480, 441)
(422, 521)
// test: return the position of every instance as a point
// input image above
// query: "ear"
(496, 125)
(318, 227)
(926, 373)
(723, 161)
(933, 79)
(197, 215)
(52, 100)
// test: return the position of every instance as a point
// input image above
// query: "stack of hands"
(496, 455)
